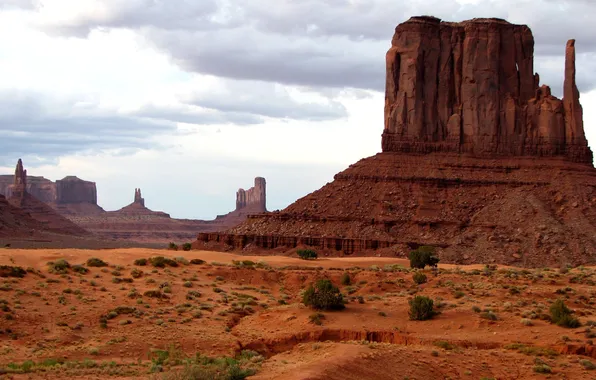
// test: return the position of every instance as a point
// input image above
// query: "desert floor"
(188, 322)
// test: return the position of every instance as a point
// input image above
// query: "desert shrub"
(489, 315)
(10, 271)
(316, 318)
(136, 273)
(307, 254)
(186, 247)
(60, 266)
(95, 262)
(140, 262)
(345, 279)
(542, 368)
(173, 246)
(181, 260)
(161, 262)
(588, 365)
(421, 308)
(323, 296)
(80, 269)
(419, 278)
(561, 315)
(155, 294)
(423, 256)
(197, 262)
(187, 284)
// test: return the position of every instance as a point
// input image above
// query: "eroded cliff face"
(75, 190)
(254, 198)
(470, 87)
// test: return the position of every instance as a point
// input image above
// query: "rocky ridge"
(496, 169)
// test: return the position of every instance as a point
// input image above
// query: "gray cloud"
(265, 99)
(19, 4)
(325, 43)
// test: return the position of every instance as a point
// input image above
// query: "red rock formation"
(477, 160)
(470, 88)
(253, 198)
(38, 210)
(18, 189)
(69, 196)
(138, 198)
(72, 190)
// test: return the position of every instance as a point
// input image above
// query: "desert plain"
(125, 320)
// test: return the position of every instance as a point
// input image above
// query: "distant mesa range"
(478, 159)
(69, 206)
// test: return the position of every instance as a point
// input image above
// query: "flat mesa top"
(436, 20)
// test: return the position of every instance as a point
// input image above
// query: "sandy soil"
(221, 308)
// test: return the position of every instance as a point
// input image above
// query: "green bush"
(345, 279)
(60, 266)
(10, 271)
(173, 246)
(80, 269)
(323, 296)
(307, 254)
(186, 247)
(561, 315)
(161, 262)
(423, 256)
(197, 262)
(140, 262)
(421, 308)
(95, 262)
(419, 278)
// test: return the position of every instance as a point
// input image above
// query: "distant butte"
(478, 159)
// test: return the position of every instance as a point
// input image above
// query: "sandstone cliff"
(470, 88)
(68, 196)
(254, 198)
(478, 160)
(47, 217)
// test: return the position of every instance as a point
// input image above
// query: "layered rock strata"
(478, 160)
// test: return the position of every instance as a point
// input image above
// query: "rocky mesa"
(478, 159)
(136, 222)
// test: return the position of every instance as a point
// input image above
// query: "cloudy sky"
(190, 100)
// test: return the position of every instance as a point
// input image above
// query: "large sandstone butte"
(478, 159)
(69, 196)
(470, 87)
(46, 217)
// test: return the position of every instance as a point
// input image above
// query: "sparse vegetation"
(345, 279)
(173, 246)
(59, 267)
(561, 315)
(95, 262)
(323, 295)
(316, 318)
(419, 278)
(140, 262)
(162, 262)
(197, 262)
(12, 271)
(423, 256)
(307, 254)
(421, 308)
(186, 247)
